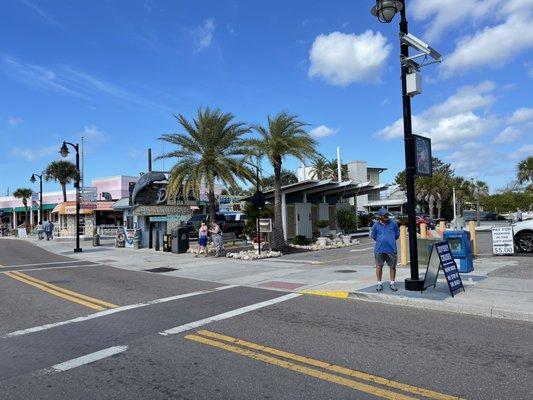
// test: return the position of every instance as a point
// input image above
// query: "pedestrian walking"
(40, 230)
(519, 214)
(48, 229)
(385, 232)
(216, 235)
(202, 239)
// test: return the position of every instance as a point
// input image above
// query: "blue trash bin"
(459, 242)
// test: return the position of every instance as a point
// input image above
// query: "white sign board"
(502, 240)
(88, 194)
(265, 224)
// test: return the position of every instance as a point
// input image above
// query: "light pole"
(64, 153)
(385, 10)
(32, 180)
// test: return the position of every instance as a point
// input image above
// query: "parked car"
(471, 215)
(523, 236)
(227, 224)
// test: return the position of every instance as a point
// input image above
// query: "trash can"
(167, 243)
(180, 240)
(460, 245)
(121, 240)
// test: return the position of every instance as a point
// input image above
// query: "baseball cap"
(383, 211)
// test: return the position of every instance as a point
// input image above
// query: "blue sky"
(115, 72)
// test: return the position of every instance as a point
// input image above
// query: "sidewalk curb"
(491, 312)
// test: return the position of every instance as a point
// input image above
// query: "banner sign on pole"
(422, 147)
(441, 257)
(502, 240)
(88, 196)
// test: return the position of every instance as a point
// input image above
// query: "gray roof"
(122, 204)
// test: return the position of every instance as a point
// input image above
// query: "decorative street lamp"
(32, 180)
(64, 153)
(385, 10)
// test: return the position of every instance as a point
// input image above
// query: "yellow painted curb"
(337, 294)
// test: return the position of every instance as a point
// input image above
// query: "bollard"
(403, 245)
(442, 227)
(472, 226)
(423, 231)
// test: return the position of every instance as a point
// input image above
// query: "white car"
(523, 235)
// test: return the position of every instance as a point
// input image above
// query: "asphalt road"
(159, 337)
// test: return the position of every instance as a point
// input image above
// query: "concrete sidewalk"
(498, 287)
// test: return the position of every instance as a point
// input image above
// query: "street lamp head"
(32, 179)
(64, 150)
(385, 10)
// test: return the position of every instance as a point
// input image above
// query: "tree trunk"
(279, 238)
(211, 199)
(64, 188)
(431, 205)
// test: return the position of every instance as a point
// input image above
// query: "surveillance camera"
(413, 41)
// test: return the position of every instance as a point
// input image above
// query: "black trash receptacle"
(180, 240)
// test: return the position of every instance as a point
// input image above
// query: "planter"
(256, 245)
(322, 241)
(346, 239)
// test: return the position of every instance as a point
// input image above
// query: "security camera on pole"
(385, 10)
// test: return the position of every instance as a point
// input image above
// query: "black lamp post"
(385, 10)
(64, 153)
(32, 180)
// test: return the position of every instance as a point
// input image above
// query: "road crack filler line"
(286, 360)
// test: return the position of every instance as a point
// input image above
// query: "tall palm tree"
(63, 172)
(24, 194)
(283, 136)
(287, 177)
(479, 189)
(211, 149)
(321, 168)
(525, 171)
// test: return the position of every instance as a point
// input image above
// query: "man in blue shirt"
(385, 232)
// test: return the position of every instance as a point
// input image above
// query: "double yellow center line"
(376, 385)
(78, 298)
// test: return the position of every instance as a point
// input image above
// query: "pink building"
(12, 210)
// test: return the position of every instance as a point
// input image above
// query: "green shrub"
(300, 240)
(323, 223)
(347, 220)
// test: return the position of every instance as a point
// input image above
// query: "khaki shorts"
(390, 258)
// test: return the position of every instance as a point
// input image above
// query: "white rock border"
(331, 245)
(253, 254)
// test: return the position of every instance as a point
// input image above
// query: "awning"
(122, 204)
(69, 208)
(46, 207)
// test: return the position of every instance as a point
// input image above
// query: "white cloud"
(508, 135)
(522, 152)
(14, 121)
(474, 159)
(342, 59)
(33, 154)
(452, 121)
(444, 14)
(92, 134)
(494, 46)
(322, 131)
(41, 13)
(521, 115)
(203, 34)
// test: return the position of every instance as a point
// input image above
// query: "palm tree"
(24, 194)
(211, 149)
(63, 172)
(284, 135)
(479, 189)
(287, 177)
(321, 168)
(525, 171)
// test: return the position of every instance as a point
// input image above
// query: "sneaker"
(393, 287)
(379, 287)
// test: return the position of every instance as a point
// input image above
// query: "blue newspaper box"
(461, 248)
